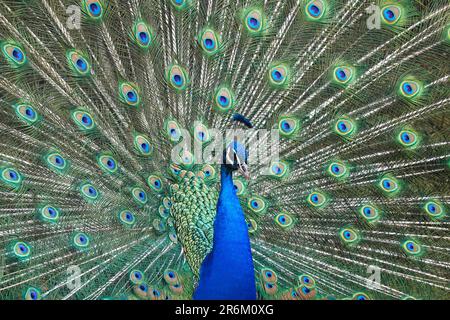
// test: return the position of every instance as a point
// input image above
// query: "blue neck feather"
(227, 272)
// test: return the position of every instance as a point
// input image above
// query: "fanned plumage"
(92, 205)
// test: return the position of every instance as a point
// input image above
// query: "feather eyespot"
(370, 213)
(349, 236)
(142, 145)
(252, 225)
(32, 294)
(83, 120)
(254, 21)
(284, 220)
(80, 241)
(279, 75)
(155, 183)
(49, 214)
(360, 296)
(26, 113)
(209, 41)
(391, 14)
(315, 9)
(434, 209)
(288, 126)
(345, 127)
(412, 247)
(172, 130)
(139, 195)
(89, 192)
(257, 204)
(223, 99)
(389, 185)
(11, 177)
(142, 34)
(317, 199)
(307, 281)
(137, 277)
(177, 77)
(338, 170)
(78, 63)
(409, 88)
(93, 8)
(343, 74)
(56, 162)
(107, 163)
(408, 138)
(127, 218)
(181, 4)
(14, 54)
(129, 94)
(21, 250)
(201, 133)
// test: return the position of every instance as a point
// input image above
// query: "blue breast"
(227, 272)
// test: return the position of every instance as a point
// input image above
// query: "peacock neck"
(227, 272)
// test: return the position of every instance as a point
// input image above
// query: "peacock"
(105, 106)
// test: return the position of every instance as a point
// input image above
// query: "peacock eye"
(360, 296)
(209, 41)
(155, 183)
(83, 120)
(14, 54)
(127, 218)
(254, 21)
(201, 133)
(434, 209)
(317, 199)
(89, 192)
(284, 220)
(343, 75)
(391, 14)
(80, 241)
(21, 250)
(315, 9)
(32, 294)
(349, 236)
(56, 161)
(93, 8)
(410, 88)
(49, 214)
(412, 247)
(408, 138)
(177, 77)
(26, 113)
(279, 75)
(223, 99)
(136, 277)
(389, 185)
(107, 163)
(345, 127)
(129, 94)
(143, 34)
(257, 204)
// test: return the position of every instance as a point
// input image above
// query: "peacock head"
(235, 158)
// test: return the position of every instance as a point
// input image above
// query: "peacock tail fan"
(98, 200)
